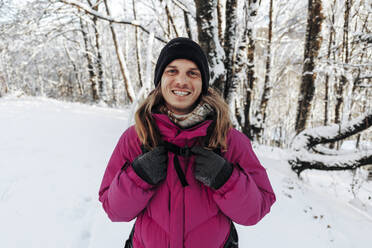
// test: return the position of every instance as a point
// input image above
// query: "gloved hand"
(210, 168)
(152, 166)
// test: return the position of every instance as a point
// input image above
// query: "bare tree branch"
(90, 11)
(184, 8)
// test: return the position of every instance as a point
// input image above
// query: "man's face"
(181, 85)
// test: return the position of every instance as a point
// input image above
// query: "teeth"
(180, 93)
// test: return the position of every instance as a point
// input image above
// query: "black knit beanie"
(183, 48)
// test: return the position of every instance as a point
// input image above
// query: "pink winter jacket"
(169, 215)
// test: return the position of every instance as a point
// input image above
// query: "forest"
(296, 74)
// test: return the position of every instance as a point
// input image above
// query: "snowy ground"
(53, 155)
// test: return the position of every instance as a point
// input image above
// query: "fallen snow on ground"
(53, 155)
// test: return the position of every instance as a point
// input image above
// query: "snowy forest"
(296, 74)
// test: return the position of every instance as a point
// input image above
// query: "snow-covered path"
(53, 155)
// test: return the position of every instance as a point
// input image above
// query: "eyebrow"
(173, 66)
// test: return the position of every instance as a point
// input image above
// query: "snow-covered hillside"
(53, 155)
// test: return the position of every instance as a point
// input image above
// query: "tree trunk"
(147, 85)
(220, 21)
(75, 72)
(98, 63)
(345, 49)
(233, 62)
(113, 87)
(187, 24)
(358, 78)
(261, 113)
(231, 17)
(326, 100)
(186, 17)
(357, 144)
(206, 18)
(92, 74)
(312, 45)
(3, 86)
(121, 60)
(250, 14)
(171, 22)
(138, 47)
(330, 42)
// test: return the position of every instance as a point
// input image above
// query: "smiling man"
(182, 170)
(181, 85)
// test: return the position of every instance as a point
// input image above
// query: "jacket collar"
(170, 130)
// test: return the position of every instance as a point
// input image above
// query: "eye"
(171, 71)
(194, 74)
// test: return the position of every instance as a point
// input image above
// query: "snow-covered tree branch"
(321, 135)
(305, 141)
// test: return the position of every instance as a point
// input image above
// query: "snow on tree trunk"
(230, 40)
(330, 41)
(332, 35)
(88, 55)
(187, 24)
(250, 14)
(138, 47)
(75, 73)
(123, 66)
(171, 21)
(312, 45)
(206, 17)
(265, 96)
(232, 65)
(146, 88)
(101, 86)
(147, 85)
(306, 141)
(345, 48)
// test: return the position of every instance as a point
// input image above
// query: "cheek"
(165, 91)
(198, 87)
(163, 85)
(166, 82)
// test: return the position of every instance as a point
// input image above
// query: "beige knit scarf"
(200, 113)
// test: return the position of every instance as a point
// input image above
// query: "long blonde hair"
(148, 132)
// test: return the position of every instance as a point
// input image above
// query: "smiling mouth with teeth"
(180, 93)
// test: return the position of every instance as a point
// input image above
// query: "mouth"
(181, 93)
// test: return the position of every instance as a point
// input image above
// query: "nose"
(182, 79)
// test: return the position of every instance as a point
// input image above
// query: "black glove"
(210, 168)
(152, 166)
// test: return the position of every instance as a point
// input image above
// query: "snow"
(331, 131)
(53, 156)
